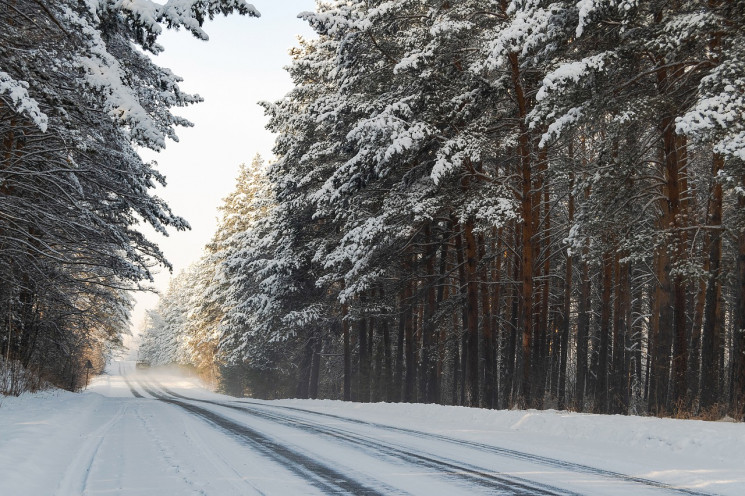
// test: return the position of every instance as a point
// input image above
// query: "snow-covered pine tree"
(77, 95)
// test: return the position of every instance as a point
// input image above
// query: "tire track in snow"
(229, 474)
(131, 388)
(224, 467)
(510, 453)
(325, 478)
(511, 485)
(75, 479)
(167, 455)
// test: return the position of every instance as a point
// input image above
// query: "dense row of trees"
(78, 94)
(494, 203)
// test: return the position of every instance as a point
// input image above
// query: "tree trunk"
(315, 367)
(486, 331)
(429, 339)
(524, 395)
(565, 321)
(410, 381)
(442, 294)
(621, 311)
(543, 245)
(583, 333)
(363, 388)
(509, 356)
(306, 359)
(460, 337)
(472, 306)
(347, 353)
(388, 384)
(711, 334)
(739, 317)
(601, 395)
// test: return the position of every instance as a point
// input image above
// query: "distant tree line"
(492, 203)
(78, 94)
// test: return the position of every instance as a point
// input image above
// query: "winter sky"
(241, 65)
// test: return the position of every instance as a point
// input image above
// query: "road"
(150, 435)
(279, 449)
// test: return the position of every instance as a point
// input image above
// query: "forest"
(79, 97)
(489, 203)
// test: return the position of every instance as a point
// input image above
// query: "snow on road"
(162, 434)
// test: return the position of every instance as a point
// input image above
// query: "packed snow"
(157, 432)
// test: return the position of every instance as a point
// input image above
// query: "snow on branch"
(20, 100)
(571, 73)
(589, 10)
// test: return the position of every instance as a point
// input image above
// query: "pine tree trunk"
(399, 375)
(583, 333)
(372, 363)
(306, 359)
(542, 357)
(637, 337)
(486, 331)
(347, 353)
(496, 316)
(739, 318)
(567, 305)
(461, 336)
(388, 384)
(315, 368)
(711, 334)
(409, 345)
(621, 311)
(442, 294)
(456, 361)
(472, 306)
(507, 359)
(660, 341)
(363, 388)
(694, 369)
(524, 368)
(429, 339)
(601, 395)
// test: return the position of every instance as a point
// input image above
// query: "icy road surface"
(158, 434)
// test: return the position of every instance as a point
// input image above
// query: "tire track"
(325, 478)
(551, 462)
(75, 479)
(512, 485)
(231, 472)
(132, 390)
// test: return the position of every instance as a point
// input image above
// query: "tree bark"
(567, 303)
(739, 344)
(472, 307)
(364, 374)
(410, 381)
(486, 331)
(621, 311)
(583, 332)
(711, 334)
(315, 367)
(347, 353)
(601, 395)
(429, 339)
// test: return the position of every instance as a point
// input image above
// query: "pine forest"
(488, 203)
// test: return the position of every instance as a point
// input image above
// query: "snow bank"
(720, 440)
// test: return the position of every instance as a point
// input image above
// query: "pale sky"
(240, 65)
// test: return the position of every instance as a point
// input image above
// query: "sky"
(242, 64)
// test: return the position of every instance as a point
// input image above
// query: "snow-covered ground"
(163, 434)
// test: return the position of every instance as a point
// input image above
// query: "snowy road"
(159, 434)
